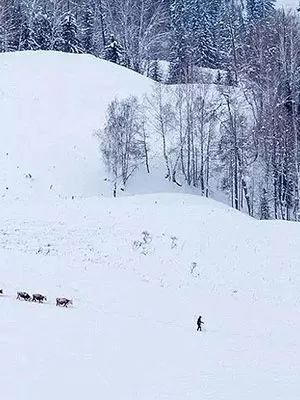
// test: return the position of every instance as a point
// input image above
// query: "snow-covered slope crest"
(50, 106)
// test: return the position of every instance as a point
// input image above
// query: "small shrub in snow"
(143, 244)
(146, 237)
(174, 240)
(194, 268)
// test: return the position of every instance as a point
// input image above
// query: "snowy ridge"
(140, 269)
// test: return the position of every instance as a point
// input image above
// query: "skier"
(199, 323)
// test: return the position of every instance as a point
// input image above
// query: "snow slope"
(140, 269)
(53, 104)
(131, 333)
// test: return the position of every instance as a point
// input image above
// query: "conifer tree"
(179, 52)
(259, 9)
(27, 41)
(193, 27)
(264, 205)
(114, 51)
(10, 24)
(42, 31)
(202, 26)
(16, 18)
(70, 41)
(155, 72)
(88, 28)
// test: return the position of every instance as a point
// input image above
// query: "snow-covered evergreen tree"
(114, 51)
(264, 205)
(27, 41)
(10, 24)
(259, 9)
(154, 71)
(201, 32)
(194, 35)
(180, 50)
(222, 32)
(87, 29)
(69, 35)
(42, 31)
(16, 18)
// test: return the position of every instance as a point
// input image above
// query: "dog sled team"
(39, 298)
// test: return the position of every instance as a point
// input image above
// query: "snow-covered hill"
(51, 104)
(139, 269)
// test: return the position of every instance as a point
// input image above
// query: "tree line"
(136, 33)
(241, 139)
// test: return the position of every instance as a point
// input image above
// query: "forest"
(137, 33)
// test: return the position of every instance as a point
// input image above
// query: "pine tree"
(88, 28)
(16, 19)
(229, 79)
(259, 9)
(229, 36)
(264, 205)
(218, 79)
(70, 42)
(10, 25)
(114, 51)
(193, 25)
(42, 31)
(202, 25)
(179, 51)
(221, 34)
(155, 72)
(27, 41)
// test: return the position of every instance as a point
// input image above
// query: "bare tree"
(162, 116)
(140, 27)
(122, 140)
(270, 80)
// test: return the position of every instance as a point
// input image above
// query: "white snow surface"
(140, 269)
(53, 103)
(288, 4)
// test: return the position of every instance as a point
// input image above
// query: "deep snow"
(132, 331)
